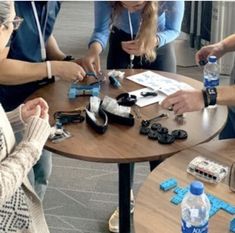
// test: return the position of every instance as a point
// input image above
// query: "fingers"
(38, 111)
(81, 73)
(97, 65)
(170, 100)
(131, 47)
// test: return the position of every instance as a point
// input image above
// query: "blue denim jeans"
(229, 129)
(41, 171)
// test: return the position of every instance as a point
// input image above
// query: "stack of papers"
(155, 82)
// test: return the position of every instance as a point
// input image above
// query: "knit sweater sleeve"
(15, 119)
(15, 167)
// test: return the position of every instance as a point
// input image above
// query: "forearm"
(15, 168)
(13, 72)
(228, 43)
(15, 119)
(226, 95)
(95, 48)
(24, 72)
(167, 36)
(53, 51)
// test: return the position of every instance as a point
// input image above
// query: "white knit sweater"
(20, 209)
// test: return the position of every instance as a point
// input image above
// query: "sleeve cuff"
(15, 119)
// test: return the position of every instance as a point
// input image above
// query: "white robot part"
(207, 170)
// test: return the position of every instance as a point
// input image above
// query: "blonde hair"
(5, 11)
(148, 28)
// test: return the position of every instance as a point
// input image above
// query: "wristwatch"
(211, 95)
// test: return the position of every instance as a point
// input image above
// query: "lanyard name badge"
(41, 35)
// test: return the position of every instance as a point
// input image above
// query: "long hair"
(5, 11)
(148, 27)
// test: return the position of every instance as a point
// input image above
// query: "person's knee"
(43, 168)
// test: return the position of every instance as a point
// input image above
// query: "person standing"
(140, 35)
(36, 58)
(195, 100)
(20, 208)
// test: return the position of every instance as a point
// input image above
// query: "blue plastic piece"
(176, 200)
(82, 90)
(114, 82)
(216, 203)
(232, 226)
(168, 184)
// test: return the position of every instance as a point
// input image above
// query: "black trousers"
(11, 96)
(119, 59)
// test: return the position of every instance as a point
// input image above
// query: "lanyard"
(132, 56)
(41, 35)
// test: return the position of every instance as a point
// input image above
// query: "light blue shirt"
(170, 15)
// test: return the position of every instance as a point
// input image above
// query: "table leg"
(124, 198)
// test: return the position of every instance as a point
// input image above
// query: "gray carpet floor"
(82, 195)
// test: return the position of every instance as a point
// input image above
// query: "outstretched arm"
(217, 49)
(192, 100)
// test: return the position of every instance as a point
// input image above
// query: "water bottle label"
(187, 228)
(211, 82)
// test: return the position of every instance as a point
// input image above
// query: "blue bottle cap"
(196, 187)
(212, 59)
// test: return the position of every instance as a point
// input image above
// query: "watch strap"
(211, 95)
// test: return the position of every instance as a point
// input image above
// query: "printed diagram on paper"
(155, 82)
(158, 82)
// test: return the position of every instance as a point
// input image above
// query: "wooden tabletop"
(122, 144)
(153, 211)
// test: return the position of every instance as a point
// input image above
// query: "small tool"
(148, 93)
(146, 123)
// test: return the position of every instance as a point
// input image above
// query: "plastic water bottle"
(211, 73)
(195, 210)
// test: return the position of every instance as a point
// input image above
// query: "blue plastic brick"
(176, 200)
(232, 226)
(177, 190)
(168, 184)
(230, 209)
(81, 90)
(114, 82)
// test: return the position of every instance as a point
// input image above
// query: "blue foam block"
(168, 184)
(232, 226)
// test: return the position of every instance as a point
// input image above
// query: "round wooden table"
(153, 210)
(123, 144)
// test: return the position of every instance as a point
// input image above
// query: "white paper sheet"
(158, 82)
(144, 101)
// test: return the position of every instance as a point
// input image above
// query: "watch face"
(211, 91)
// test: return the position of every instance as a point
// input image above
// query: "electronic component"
(207, 170)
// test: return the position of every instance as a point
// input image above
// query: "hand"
(91, 63)
(36, 107)
(184, 101)
(68, 70)
(133, 47)
(214, 49)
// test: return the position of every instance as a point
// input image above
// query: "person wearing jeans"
(36, 58)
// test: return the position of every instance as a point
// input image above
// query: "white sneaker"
(114, 219)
